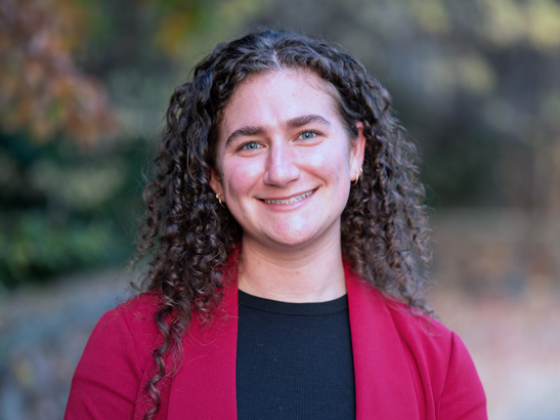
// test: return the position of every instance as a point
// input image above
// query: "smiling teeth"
(290, 200)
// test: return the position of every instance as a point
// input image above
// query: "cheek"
(330, 164)
(240, 176)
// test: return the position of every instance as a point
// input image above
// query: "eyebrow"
(291, 124)
(306, 119)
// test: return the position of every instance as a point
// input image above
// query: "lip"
(306, 194)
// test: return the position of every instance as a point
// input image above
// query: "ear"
(358, 146)
(216, 183)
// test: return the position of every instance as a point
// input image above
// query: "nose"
(281, 165)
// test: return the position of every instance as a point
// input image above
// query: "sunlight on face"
(285, 159)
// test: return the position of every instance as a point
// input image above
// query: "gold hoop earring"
(220, 201)
(355, 182)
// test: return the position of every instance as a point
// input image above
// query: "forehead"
(272, 98)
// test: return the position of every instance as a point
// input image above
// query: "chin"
(293, 239)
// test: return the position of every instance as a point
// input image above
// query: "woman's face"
(285, 161)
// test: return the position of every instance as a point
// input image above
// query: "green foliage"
(463, 171)
(70, 188)
(475, 83)
(64, 210)
(35, 246)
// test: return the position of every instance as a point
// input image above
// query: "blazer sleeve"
(107, 378)
(462, 397)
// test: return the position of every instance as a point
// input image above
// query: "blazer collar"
(205, 384)
(384, 383)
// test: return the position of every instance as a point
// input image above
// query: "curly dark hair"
(384, 224)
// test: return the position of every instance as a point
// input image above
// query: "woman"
(288, 235)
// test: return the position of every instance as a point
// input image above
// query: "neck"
(313, 274)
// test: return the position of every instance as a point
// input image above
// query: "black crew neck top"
(294, 360)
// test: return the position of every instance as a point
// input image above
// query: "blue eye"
(306, 135)
(251, 145)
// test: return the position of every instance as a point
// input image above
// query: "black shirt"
(294, 360)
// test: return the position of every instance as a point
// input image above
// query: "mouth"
(291, 200)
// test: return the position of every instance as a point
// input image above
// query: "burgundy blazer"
(406, 366)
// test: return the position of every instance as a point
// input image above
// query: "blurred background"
(83, 91)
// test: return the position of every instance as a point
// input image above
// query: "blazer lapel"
(204, 386)
(205, 383)
(384, 384)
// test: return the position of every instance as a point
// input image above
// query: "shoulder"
(415, 329)
(419, 330)
(427, 340)
(123, 336)
(440, 360)
(115, 362)
(138, 312)
(132, 322)
(436, 355)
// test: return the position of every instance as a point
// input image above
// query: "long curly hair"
(188, 233)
